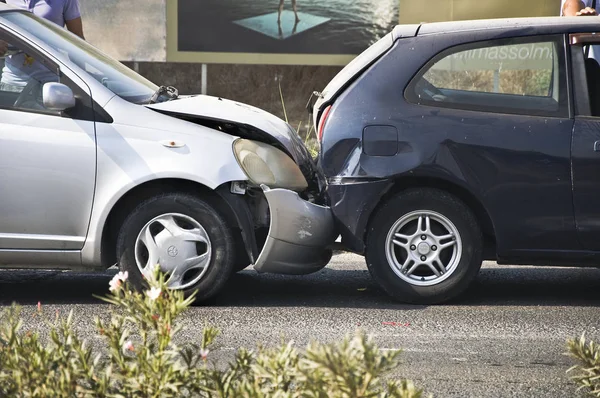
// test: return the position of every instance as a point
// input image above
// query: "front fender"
(130, 156)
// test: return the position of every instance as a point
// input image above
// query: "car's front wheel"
(186, 236)
(424, 246)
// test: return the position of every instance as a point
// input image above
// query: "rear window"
(358, 64)
(505, 76)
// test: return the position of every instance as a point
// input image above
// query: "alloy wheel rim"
(423, 248)
(179, 244)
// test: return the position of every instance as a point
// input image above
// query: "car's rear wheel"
(186, 236)
(424, 246)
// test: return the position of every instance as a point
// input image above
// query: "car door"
(47, 158)
(502, 107)
(585, 148)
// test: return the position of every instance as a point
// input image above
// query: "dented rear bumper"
(300, 235)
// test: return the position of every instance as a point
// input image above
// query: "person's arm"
(573, 8)
(73, 17)
(75, 26)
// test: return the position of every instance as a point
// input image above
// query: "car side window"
(22, 79)
(505, 76)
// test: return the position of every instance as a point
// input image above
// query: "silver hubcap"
(179, 244)
(423, 248)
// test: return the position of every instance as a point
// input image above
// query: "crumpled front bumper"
(300, 235)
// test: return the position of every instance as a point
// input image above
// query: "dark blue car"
(446, 144)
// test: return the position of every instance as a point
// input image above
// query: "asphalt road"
(504, 338)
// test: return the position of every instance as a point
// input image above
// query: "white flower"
(115, 282)
(128, 346)
(204, 353)
(153, 293)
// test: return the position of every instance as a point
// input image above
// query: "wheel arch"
(134, 196)
(462, 193)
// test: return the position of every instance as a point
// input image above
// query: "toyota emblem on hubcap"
(172, 251)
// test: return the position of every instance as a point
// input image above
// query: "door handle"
(597, 146)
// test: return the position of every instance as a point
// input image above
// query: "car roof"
(535, 25)
(7, 7)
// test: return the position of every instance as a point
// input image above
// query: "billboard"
(311, 32)
(298, 32)
(314, 32)
(413, 11)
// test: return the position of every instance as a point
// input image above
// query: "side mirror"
(57, 97)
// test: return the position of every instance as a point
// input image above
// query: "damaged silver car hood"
(244, 120)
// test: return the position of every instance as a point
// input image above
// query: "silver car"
(99, 166)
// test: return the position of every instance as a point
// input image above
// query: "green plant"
(141, 359)
(310, 142)
(587, 369)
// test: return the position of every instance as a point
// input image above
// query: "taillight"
(322, 122)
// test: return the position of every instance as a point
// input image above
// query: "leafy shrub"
(141, 359)
(587, 369)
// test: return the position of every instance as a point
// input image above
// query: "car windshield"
(117, 77)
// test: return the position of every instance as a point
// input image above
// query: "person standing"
(581, 8)
(572, 8)
(281, 10)
(61, 12)
(20, 68)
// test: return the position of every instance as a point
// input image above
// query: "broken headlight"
(265, 164)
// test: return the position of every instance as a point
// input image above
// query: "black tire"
(456, 212)
(222, 260)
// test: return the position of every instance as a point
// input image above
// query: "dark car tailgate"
(353, 69)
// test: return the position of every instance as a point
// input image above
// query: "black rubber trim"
(579, 79)
(243, 216)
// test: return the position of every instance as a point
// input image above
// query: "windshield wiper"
(170, 91)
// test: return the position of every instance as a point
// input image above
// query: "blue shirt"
(17, 71)
(57, 11)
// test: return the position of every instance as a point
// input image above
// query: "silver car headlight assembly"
(265, 164)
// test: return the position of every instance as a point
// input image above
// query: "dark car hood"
(241, 120)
